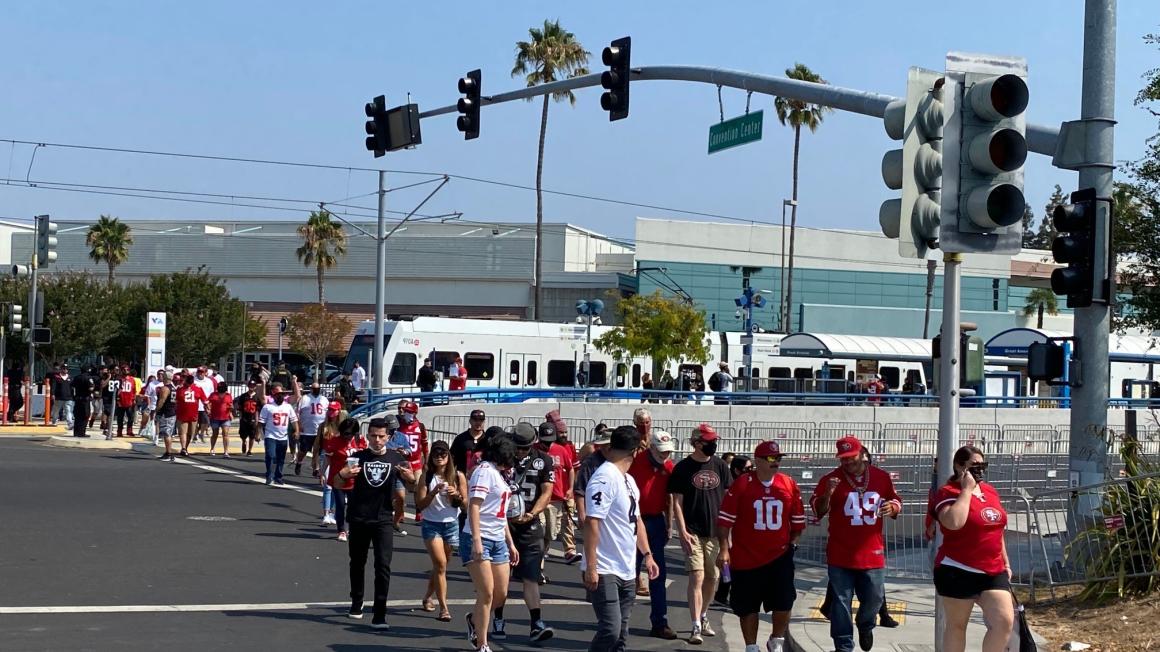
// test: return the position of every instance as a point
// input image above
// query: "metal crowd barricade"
(455, 424)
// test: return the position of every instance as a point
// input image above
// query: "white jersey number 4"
(857, 506)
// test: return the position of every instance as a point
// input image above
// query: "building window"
(561, 373)
(480, 366)
(404, 370)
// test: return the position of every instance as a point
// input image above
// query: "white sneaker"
(328, 519)
(706, 629)
(752, 648)
(773, 645)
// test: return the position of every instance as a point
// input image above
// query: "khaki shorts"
(704, 557)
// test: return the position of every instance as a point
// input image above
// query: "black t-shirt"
(584, 473)
(370, 500)
(82, 387)
(246, 405)
(702, 487)
(461, 446)
(109, 390)
(527, 479)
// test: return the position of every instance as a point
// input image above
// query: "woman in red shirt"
(348, 442)
(972, 566)
(221, 405)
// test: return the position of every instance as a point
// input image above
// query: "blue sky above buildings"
(287, 81)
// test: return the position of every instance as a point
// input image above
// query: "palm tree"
(552, 54)
(797, 114)
(108, 242)
(1040, 300)
(323, 242)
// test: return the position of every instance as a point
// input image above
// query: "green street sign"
(735, 131)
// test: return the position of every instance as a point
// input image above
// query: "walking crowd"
(498, 498)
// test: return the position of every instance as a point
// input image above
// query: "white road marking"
(246, 476)
(269, 606)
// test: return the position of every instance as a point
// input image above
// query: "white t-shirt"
(151, 393)
(487, 483)
(277, 419)
(358, 376)
(312, 413)
(612, 497)
(208, 386)
(440, 510)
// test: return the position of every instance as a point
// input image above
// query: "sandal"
(444, 616)
(428, 605)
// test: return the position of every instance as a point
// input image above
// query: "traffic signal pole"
(377, 372)
(1089, 407)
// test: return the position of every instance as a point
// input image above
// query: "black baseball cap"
(440, 446)
(548, 432)
(478, 414)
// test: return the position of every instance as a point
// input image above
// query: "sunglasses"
(774, 459)
(439, 454)
(982, 466)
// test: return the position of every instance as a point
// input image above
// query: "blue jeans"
(275, 457)
(870, 587)
(327, 495)
(654, 526)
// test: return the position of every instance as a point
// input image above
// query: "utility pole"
(378, 373)
(33, 265)
(1089, 406)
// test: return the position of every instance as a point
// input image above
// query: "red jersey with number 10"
(855, 539)
(189, 398)
(763, 519)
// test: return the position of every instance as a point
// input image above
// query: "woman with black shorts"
(972, 566)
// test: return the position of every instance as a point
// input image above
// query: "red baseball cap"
(334, 407)
(849, 446)
(705, 432)
(768, 449)
(410, 407)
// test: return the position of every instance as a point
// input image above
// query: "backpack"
(715, 381)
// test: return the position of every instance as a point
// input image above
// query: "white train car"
(523, 354)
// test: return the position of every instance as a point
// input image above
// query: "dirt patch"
(1132, 624)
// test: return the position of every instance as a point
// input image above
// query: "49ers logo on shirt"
(991, 515)
(376, 473)
(706, 480)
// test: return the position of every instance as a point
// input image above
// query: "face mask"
(709, 448)
(406, 419)
(316, 392)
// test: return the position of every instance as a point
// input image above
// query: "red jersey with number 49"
(979, 543)
(763, 519)
(188, 398)
(855, 539)
(417, 438)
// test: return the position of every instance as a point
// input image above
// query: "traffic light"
(985, 148)
(378, 140)
(615, 80)
(916, 169)
(1075, 246)
(45, 240)
(468, 105)
(15, 318)
(1046, 361)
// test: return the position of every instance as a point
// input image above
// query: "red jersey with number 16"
(855, 539)
(189, 397)
(763, 519)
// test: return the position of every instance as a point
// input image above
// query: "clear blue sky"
(287, 80)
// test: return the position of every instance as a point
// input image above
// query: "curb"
(62, 441)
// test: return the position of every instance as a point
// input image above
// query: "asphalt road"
(113, 550)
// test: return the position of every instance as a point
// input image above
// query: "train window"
(914, 376)
(597, 374)
(779, 372)
(532, 373)
(480, 366)
(404, 370)
(636, 375)
(890, 376)
(561, 373)
(514, 373)
(803, 372)
(442, 360)
(621, 374)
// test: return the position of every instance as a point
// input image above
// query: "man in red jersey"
(857, 496)
(760, 521)
(189, 399)
(416, 433)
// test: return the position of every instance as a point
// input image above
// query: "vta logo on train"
(411, 340)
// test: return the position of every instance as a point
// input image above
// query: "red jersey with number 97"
(763, 519)
(855, 539)
(189, 397)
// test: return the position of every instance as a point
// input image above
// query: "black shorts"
(107, 409)
(247, 429)
(952, 582)
(765, 588)
(529, 540)
(306, 442)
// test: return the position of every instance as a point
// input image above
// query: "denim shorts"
(495, 552)
(449, 532)
(219, 423)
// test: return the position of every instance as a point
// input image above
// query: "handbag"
(1021, 639)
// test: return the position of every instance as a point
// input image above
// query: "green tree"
(316, 332)
(653, 325)
(552, 53)
(323, 242)
(1029, 241)
(108, 241)
(1045, 233)
(797, 114)
(1039, 301)
(84, 314)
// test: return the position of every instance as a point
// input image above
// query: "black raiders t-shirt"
(370, 500)
(526, 479)
(701, 486)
